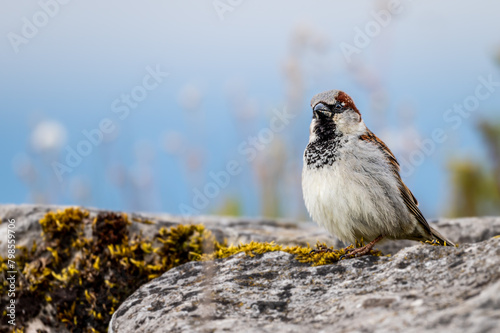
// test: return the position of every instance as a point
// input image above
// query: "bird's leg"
(349, 249)
(361, 251)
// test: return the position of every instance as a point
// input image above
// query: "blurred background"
(202, 107)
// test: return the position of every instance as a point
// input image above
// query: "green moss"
(86, 279)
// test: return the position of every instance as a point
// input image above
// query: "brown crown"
(332, 96)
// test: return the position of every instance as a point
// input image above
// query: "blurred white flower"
(190, 97)
(48, 136)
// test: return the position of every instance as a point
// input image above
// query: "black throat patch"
(323, 151)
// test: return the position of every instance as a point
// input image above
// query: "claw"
(361, 251)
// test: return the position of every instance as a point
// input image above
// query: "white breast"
(355, 197)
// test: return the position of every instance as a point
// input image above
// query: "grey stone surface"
(238, 229)
(421, 288)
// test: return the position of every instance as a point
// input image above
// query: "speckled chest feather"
(321, 153)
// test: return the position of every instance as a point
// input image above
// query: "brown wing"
(408, 197)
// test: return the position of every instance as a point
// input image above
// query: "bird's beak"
(320, 110)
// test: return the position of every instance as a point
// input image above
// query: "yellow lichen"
(436, 242)
(86, 279)
(322, 255)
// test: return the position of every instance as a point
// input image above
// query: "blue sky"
(88, 54)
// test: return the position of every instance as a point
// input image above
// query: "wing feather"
(408, 197)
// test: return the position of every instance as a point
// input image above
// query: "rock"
(421, 288)
(471, 229)
(26, 219)
(233, 229)
(238, 229)
(275, 292)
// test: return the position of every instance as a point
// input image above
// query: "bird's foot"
(349, 249)
(360, 251)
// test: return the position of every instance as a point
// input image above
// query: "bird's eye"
(339, 107)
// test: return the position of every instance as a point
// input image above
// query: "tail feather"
(443, 240)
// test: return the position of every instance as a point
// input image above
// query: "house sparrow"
(351, 182)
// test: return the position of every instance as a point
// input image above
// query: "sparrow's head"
(334, 113)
